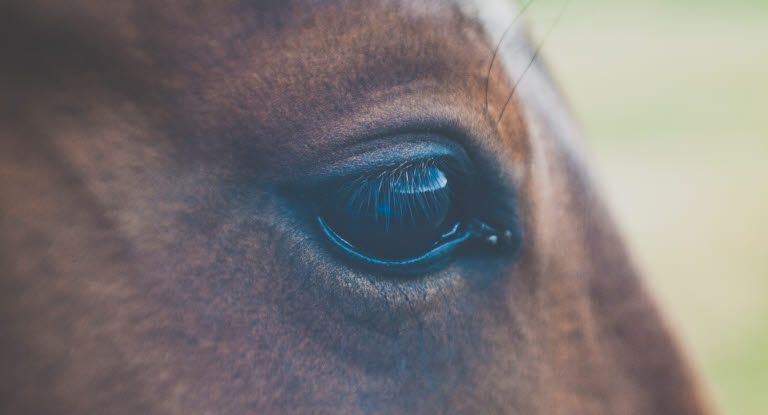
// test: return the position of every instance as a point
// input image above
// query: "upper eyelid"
(361, 189)
(395, 174)
(444, 162)
(448, 165)
(381, 156)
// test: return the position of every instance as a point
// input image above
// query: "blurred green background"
(673, 99)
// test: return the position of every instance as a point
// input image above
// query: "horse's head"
(307, 207)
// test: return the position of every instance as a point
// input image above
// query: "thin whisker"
(534, 56)
(498, 45)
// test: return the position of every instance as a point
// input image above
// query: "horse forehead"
(295, 41)
(131, 17)
(276, 71)
(492, 14)
(289, 75)
(331, 30)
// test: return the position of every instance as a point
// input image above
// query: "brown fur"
(153, 257)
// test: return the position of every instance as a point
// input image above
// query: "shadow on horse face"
(161, 248)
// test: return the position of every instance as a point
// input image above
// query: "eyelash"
(369, 190)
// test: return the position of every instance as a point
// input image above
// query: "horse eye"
(410, 216)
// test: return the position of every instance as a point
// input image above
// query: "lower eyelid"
(422, 263)
(508, 241)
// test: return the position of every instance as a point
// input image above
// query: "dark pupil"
(398, 214)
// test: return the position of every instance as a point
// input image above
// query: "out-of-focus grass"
(673, 98)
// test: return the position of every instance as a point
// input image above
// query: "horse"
(308, 206)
